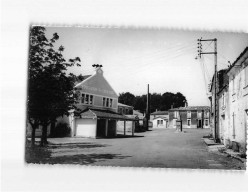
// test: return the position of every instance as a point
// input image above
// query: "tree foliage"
(50, 88)
(157, 101)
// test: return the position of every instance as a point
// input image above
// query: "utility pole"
(216, 137)
(147, 109)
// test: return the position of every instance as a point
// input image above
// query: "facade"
(96, 114)
(159, 113)
(125, 109)
(160, 122)
(232, 104)
(222, 91)
(236, 134)
(191, 116)
(160, 119)
(96, 109)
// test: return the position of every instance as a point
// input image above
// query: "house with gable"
(96, 113)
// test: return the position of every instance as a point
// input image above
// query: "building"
(125, 109)
(223, 106)
(96, 109)
(232, 105)
(159, 113)
(160, 119)
(160, 122)
(222, 91)
(191, 116)
(236, 134)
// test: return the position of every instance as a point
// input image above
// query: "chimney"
(171, 106)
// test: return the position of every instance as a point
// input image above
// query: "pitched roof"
(245, 52)
(162, 117)
(160, 113)
(191, 108)
(124, 105)
(99, 113)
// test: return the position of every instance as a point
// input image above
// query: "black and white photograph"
(137, 98)
(124, 96)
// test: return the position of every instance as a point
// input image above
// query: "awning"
(102, 114)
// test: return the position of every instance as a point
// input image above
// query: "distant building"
(160, 119)
(191, 116)
(125, 109)
(159, 113)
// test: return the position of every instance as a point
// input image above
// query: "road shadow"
(121, 136)
(83, 159)
(43, 155)
(76, 145)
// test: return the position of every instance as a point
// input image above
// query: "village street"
(155, 148)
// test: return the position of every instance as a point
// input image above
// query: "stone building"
(236, 134)
(232, 104)
(191, 116)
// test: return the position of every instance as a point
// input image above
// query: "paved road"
(157, 148)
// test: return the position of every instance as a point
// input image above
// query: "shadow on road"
(121, 136)
(42, 155)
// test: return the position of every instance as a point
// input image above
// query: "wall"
(238, 98)
(155, 123)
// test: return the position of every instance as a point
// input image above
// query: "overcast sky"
(165, 59)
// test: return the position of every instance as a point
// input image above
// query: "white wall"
(85, 127)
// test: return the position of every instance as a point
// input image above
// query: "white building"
(236, 134)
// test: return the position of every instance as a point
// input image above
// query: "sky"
(163, 58)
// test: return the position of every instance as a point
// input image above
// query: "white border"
(17, 16)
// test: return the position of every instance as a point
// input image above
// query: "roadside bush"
(61, 130)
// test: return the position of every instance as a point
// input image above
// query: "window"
(176, 113)
(246, 76)
(233, 85)
(82, 99)
(120, 110)
(199, 114)
(87, 99)
(107, 102)
(127, 111)
(103, 101)
(223, 100)
(206, 123)
(110, 103)
(91, 99)
(188, 122)
(188, 114)
(161, 122)
(207, 114)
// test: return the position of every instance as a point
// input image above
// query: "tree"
(50, 88)
(126, 98)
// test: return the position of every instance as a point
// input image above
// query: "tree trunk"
(43, 141)
(33, 135)
(33, 126)
(52, 128)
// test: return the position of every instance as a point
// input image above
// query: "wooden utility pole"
(216, 136)
(147, 109)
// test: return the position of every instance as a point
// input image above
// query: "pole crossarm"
(208, 52)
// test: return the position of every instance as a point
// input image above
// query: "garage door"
(85, 127)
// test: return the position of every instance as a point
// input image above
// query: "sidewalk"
(218, 147)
